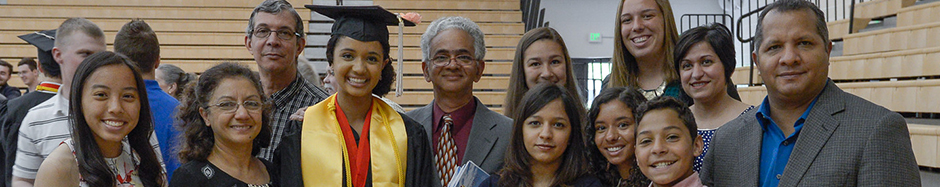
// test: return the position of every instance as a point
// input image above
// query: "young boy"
(667, 142)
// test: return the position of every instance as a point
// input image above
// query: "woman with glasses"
(111, 126)
(353, 138)
(225, 123)
(541, 56)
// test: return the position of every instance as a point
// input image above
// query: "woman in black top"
(224, 124)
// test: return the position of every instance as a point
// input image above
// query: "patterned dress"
(124, 166)
(707, 137)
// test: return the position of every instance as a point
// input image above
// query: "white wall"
(575, 19)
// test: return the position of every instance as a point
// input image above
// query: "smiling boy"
(667, 142)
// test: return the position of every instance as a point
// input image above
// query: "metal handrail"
(715, 17)
(740, 20)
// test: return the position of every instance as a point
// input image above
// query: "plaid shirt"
(299, 94)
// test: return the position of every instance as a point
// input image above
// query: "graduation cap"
(366, 23)
(44, 42)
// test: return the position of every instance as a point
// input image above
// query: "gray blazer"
(489, 135)
(845, 141)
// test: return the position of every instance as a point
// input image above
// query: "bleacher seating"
(197, 34)
(880, 8)
(897, 68)
(926, 142)
(501, 22)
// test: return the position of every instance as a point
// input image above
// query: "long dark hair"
(388, 72)
(719, 38)
(198, 139)
(517, 81)
(600, 166)
(517, 170)
(91, 164)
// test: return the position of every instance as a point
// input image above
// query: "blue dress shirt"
(163, 108)
(775, 148)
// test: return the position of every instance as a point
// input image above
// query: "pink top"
(691, 181)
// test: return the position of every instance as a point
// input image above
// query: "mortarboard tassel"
(401, 26)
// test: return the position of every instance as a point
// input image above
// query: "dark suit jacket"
(489, 135)
(845, 141)
(12, 114)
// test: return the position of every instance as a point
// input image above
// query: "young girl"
(610, 133)
(111, 128)
(541, 57)
(353, 138)
(645, 37)
(546, 148)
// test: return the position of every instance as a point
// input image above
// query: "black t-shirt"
(204, 173)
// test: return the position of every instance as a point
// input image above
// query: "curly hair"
(198, 139)
(599, 164)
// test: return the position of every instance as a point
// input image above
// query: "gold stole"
(322, 147)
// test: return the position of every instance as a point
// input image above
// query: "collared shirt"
(299, 94)
(43, 129)
(48, 87)
(463, 121)
(775, 148)
(163, 107)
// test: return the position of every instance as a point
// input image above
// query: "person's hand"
(412, 16)
(299, 115)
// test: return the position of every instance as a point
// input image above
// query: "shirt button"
(786, 143)
(779, 176)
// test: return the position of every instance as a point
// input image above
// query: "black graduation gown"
(420, 171)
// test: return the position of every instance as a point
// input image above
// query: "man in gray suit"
(807, 131)
(460, 127)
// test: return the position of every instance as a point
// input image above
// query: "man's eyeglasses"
(283, 34)
(231, 106)
(444, 60)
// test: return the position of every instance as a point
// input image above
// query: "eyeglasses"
(444, 60)
(231, 106)
(283, 34)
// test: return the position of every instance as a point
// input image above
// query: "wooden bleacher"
(898, 68)
(924, 137)
(501, 22)
(880, 8)
(197, 34)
